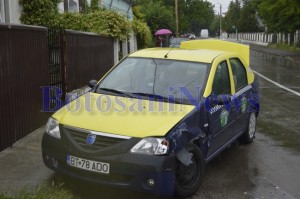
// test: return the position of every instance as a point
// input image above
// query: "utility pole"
(220, 20)
(176, 16)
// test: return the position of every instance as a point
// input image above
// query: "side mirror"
(92, 83)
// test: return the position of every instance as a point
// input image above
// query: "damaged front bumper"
(146, 173)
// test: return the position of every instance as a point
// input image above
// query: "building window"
(69, 5)
(73, 6)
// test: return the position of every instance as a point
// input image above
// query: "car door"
(222, 116)
(242, 93)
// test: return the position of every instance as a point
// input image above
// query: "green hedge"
(98, 20)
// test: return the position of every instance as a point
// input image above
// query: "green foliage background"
(280, 15)
(277, 15)
(194, 15)
(94, 19)
(151, 15)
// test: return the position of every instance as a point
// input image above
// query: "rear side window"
(221, 84)
(239, 73)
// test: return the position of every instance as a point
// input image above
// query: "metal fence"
(23, 70)
(291, 39)
(34, 57)
(87, 56)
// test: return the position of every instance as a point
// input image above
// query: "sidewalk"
(277, 52)
(22, 166)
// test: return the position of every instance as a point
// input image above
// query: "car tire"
(189, 178)
(249, 134)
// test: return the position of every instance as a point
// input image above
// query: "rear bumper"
(127, 170)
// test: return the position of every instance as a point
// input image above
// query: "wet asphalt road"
(267, 168)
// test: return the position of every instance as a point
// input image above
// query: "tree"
(141, 28)
(193, 14)
(183, 14)
(280, 15)
(232, 17)
(201, 15)
(247, 21)
(215, 26)
(157, 15)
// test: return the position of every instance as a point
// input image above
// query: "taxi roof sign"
(219, 45)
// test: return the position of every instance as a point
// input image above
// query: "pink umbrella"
(163, 32)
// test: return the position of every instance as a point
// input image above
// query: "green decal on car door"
(224, 118)
(244, 105)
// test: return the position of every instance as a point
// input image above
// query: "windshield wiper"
(115, 91)
(155, 96)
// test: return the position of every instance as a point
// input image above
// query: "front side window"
(221, 83)
(157, 77)
(239, 73)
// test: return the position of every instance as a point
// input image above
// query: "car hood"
(121, 115)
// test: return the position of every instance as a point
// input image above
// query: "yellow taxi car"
(155, 119)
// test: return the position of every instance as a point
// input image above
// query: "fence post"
(295, 38)
(260, 37)
(132, 43)
(271, 38)
(125, 48)
(116, 51)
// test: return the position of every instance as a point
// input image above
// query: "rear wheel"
(249, 134)
(189, 178)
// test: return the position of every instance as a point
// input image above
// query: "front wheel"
(189, 178)
(249, 134)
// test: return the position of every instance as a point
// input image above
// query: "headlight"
(52, 128)
(151, 146)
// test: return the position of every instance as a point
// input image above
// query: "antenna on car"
(166, 55)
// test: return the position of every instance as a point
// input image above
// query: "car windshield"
(179, 80)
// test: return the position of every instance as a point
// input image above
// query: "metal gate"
(56, 61)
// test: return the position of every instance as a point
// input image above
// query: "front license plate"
(89, 165)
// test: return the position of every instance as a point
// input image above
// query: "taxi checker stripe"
(98, 133)
(243, 90)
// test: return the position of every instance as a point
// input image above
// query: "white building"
(10, 11)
